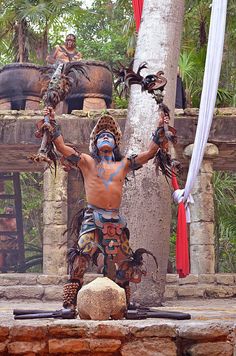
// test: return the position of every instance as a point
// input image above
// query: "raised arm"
(71, 155)
(143, 157)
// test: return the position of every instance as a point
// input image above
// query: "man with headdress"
(101, 227)
(66, 52)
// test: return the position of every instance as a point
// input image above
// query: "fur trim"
(105, 123)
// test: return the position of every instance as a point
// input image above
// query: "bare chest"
(107, 174)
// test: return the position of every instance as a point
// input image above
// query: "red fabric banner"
(182, 253)
(138, 8)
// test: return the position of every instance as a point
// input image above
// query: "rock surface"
(101, 299)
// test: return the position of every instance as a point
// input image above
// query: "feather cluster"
(154, 84)
(56, 84)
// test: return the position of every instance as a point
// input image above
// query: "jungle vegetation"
(29, 29)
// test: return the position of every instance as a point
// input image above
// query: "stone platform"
(210, 332)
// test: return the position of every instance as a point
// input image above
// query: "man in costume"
(65, 53)
(102, 230)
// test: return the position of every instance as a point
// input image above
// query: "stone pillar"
(202, 249)
(55, 222)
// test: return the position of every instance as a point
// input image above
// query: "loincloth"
(105, 230)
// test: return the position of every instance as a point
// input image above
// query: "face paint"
(105, 139)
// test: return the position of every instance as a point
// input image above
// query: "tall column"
(202, 249)
(55, 222)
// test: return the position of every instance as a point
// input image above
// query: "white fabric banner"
(209, 90)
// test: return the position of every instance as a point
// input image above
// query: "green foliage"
(32, 200)
(225, 222)
(193, 53)
(100, 31)
(120, 103)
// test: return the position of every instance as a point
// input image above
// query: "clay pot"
(97, 90)
(20, 86)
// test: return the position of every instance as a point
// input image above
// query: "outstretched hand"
(49, 111)
(163, 119)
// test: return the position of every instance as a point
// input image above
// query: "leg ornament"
(78, 263)
(70, 292)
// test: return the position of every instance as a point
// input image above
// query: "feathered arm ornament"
(153, 84)
(56, 86)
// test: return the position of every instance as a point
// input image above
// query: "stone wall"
(117, 338)
(43, 287)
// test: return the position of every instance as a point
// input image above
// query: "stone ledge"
(29, 286)
(121, 338)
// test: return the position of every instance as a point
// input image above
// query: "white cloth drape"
(209, 90)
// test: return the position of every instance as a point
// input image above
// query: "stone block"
(202, 259)
(23, 347)
(53, 235)
(55, 212)
(191, 111)
(210, 348)
(28, 279)
(4, 332)
(219, 291)
(25, 292)
(55, 260)
(111, 330)
(104, 345)
(141, 330)
(203, 330)
(170, 292)
(185, 291)
(199, 291)
(226, 279)
(179, 112)
(5, 281)
(206, 278)
(63, 346)
(101, 299)
(226, 111)
(55, 186)
(202, 184)
(149, 347)
(201, 233)
(210, 151)
(48, 279)
(2, 292)
(3, 348)
(190, 279)
(172, 278)
(28, 333)
(202, 210)
(53, 293)
(68, 330)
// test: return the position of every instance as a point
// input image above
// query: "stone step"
(30, 286)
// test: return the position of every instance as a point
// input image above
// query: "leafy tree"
(225, 223)
(25, 25)
(100, 30)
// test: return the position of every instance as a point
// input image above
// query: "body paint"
(107, 182)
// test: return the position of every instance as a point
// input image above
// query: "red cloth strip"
(182, 253)
(138, 8)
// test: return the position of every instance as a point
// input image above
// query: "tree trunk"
(147, 201)
(21, 28)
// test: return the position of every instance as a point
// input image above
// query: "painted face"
(106, 141)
